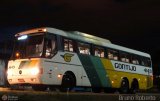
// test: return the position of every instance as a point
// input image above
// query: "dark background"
(131, 23)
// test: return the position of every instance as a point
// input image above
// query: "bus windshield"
(28, 46)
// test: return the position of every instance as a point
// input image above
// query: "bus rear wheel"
(134, 87)
(124, 89)
(68, 82)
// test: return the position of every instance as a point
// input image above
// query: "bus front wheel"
(134, 87)
(68, 82)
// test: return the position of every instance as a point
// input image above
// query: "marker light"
(9, 72)
(35, 71)
(44, 30)
(59, 75)
(23, 37)
(17, 54)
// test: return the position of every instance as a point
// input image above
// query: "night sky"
(130, 23)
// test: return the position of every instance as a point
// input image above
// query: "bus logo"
(67, 57)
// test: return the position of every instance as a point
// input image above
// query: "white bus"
(49, 57)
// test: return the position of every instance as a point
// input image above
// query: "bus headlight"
(9, 72)
(35, 71)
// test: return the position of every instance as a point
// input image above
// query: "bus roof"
(83, 37)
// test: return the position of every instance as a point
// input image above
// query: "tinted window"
(68, 45)
(125, 57)
(84, 48)
(112, 54)
(99, 51)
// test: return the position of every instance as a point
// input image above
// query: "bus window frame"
(31, 34)
(97, 46)
(127, 56)
(145, 60)
(50, 37)
(137, 57)
(111, 49)
(73, 44)
(90, 47)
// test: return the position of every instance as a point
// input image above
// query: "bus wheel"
(96, 90)
(134, 87)
(68, 82)
(124, 86)
(39, 87)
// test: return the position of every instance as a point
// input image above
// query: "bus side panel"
(95, 71)
(90, 70)
(116, 76)
(101, 71)
(111, 73)
(58, 65)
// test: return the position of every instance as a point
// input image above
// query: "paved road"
(27, 94)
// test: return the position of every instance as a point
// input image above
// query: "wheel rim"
(135, 87)
(124, 86)
(68, 82)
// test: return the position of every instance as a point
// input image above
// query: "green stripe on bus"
(101, 71)
(90, 70)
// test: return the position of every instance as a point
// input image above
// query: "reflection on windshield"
(32, 46)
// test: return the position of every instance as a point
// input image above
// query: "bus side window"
(135, 59)
(142, 61)
(128, 57)
(125, 57)
(122, 57)
(98, 51)
(145, 61)
(112, 54)
(68, 45)
(65, 45)
(84, 48)
(50, 45)
(149, 62)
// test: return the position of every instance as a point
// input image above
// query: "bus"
(49, 57)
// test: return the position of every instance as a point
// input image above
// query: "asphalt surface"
(27, 94)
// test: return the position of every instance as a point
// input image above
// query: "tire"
(134, 87)
(39, 87)
(68, 83)
(124, 89)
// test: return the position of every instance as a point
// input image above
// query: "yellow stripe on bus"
(115, 77)
(107, 64)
